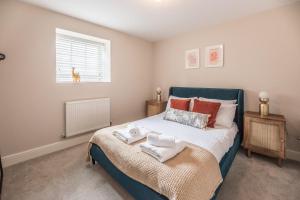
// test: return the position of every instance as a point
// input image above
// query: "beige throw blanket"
(194, 174)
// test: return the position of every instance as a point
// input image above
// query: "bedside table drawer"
(154, 107)
(265, 135)
(153, 110)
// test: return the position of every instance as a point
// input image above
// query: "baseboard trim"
(293, 155)
(23, 156)
(44, 150)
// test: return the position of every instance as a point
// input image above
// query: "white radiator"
(86, 115)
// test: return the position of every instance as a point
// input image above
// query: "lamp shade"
(158, 90)
(263, 95)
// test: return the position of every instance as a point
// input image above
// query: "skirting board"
(44, 150)
(293, 155)
(64, 144)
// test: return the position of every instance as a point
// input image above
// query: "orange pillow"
(180, 104)
(206, 107)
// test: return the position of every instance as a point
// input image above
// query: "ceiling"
(155, 20)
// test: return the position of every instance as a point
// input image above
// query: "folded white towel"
(130, 135)
(161, 140)
(133, 130)
(163, 154)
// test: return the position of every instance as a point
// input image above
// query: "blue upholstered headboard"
(215, 93)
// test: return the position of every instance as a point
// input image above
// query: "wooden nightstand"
(154, 107)
(265, 135)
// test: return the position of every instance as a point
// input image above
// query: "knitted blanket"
(192, 174)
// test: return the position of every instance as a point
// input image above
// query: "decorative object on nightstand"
(265, 135)
(158, 94)
(264, 106)
(155, 107)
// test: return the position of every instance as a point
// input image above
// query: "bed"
(140, 191)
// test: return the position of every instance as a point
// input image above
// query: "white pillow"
(174, 97)
(218, 100)
(226, 115)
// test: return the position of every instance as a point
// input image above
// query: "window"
(81, 58)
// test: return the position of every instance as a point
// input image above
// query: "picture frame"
(192, 58)
(214, 56)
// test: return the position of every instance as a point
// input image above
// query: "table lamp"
(263, 106)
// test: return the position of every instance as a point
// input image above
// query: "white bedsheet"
(216, 140)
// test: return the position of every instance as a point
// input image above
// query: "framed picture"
(192, 59)
(214, 56)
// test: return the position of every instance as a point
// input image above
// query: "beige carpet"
(66, 175)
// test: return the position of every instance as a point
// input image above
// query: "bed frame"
(142, 192)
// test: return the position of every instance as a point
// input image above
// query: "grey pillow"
(197, 120)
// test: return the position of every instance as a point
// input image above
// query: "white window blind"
(88, 55)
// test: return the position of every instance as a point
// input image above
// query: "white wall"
(31, 108)
(261, 52)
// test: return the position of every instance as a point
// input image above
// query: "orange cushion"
(180, 104)
(206, 107)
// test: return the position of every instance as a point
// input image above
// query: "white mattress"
(216, 140)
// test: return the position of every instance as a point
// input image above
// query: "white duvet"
(216, 140)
